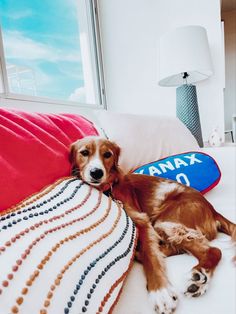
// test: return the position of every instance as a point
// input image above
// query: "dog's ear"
(116, 150)
(72, 153)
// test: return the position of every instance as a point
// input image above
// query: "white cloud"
(79, 95)
(17, 15)
(18, 46)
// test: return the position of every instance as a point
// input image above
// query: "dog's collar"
(108, 192)
(107, 188)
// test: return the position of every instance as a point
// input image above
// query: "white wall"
(229, 18)
(130, 32)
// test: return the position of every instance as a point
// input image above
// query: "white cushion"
(60, 244)
(144, 139)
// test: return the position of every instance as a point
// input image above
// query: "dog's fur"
(171, 219)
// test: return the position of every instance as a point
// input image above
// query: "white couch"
(220, 298)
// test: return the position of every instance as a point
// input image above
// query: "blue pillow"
(197, 170)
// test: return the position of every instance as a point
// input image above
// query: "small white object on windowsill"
(215, 140)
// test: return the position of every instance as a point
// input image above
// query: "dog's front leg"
(164, 300)
(162, 295)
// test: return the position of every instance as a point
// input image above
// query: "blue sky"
(44, 36)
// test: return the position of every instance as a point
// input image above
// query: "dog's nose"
(96, 173)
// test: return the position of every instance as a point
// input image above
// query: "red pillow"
(34, 151)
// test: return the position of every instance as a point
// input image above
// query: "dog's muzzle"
(96, 174)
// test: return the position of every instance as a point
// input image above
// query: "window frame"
(95, 50)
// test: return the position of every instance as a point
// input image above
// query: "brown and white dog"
(171, 219)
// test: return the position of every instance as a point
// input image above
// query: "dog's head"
(96, 159)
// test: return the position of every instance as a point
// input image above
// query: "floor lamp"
(185, 59)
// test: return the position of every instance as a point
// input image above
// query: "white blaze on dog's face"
(95, 157)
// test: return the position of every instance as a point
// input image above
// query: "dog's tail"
(234, 235)
(229, 228)
(226, 226)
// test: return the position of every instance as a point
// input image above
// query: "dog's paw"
(198, 284)
(164, 301)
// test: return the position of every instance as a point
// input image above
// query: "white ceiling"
(227, 5)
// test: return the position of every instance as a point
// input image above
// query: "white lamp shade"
(185, 49)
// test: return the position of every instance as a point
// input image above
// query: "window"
(50, 51)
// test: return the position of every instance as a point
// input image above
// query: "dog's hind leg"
(201, 274)
(194, 242)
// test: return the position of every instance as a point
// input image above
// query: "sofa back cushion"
(144, 139)
(34, 150)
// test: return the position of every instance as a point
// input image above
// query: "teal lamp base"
(187, 110)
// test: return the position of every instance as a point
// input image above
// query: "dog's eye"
(84, 152)
(107, 155)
